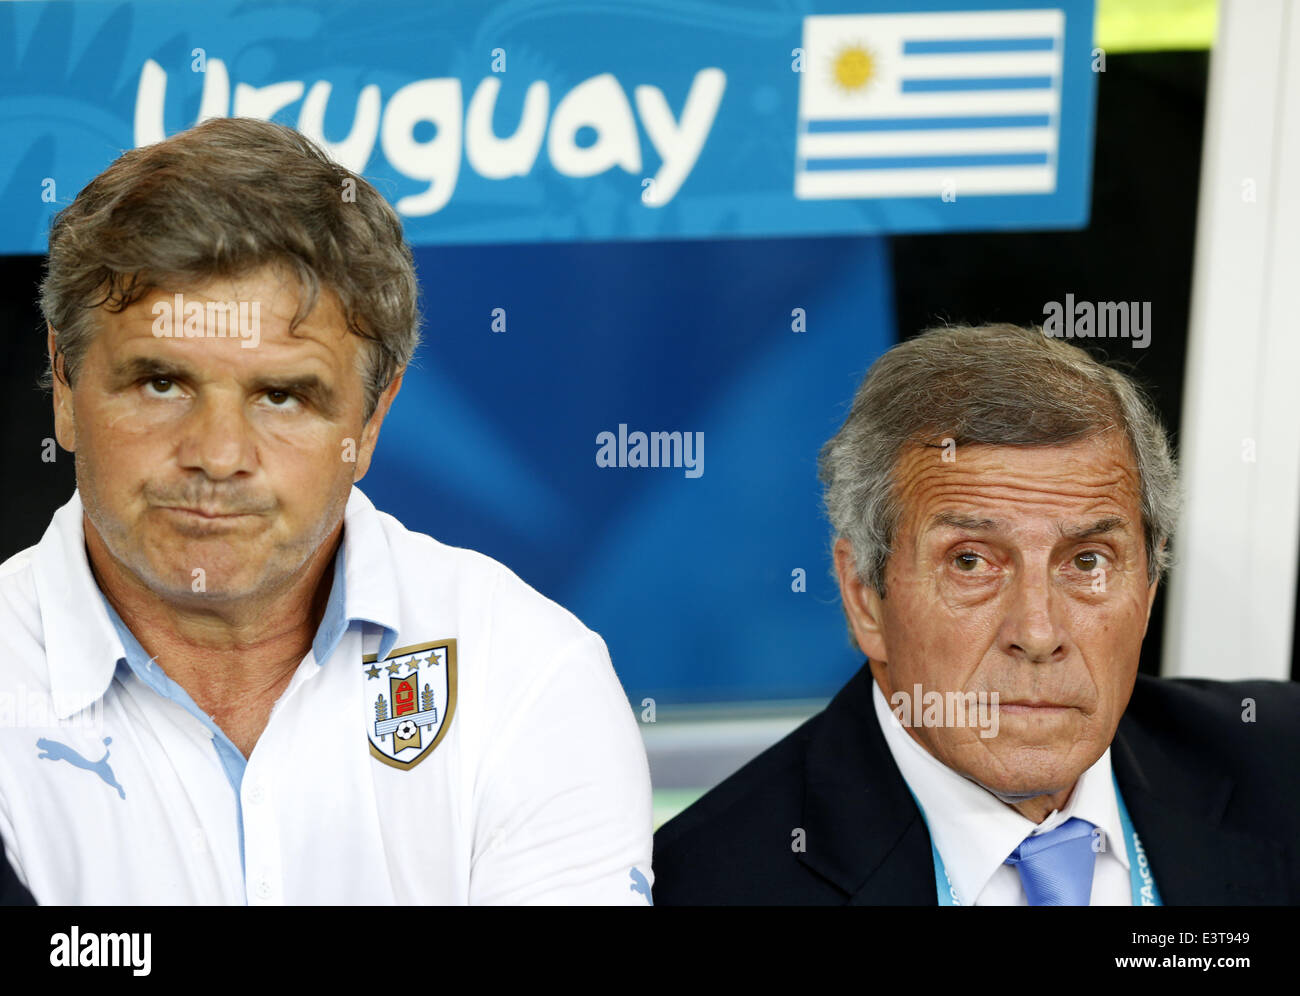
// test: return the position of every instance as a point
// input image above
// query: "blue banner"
(634, 430)
(631, 427)
(539, 120)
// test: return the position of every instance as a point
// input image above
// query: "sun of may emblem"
(411, 695)
(854, 68)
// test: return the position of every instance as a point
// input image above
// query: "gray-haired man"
(1002, 504)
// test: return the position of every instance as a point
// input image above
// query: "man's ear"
(65, 424)
(370, 431)
(861, 603)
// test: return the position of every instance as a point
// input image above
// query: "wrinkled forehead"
(249, 320)
(1015, 488)
(276, 293)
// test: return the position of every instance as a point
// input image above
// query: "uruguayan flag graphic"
(921, 105)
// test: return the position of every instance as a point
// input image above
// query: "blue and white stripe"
(960, 102)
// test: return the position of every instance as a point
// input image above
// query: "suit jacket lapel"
(866, 836)
(864, 831)
(1178, 814)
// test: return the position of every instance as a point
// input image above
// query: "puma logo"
(640, 884)
(55, 751)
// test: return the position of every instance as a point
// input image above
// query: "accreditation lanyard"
(1139, 869)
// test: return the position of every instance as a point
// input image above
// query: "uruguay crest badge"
(414, 696)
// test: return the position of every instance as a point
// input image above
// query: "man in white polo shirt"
(238, 680)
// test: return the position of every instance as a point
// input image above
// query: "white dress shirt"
(974, 831)
(115, 788)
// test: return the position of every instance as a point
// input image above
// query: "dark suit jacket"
(12, 892)
(1213, 798)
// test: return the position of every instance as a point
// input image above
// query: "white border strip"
(1232, 592)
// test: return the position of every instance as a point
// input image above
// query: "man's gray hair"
(225, 199)
(1001, 385)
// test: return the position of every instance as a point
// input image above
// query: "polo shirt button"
(256, 795)
(263, 889)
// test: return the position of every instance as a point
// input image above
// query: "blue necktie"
(1056, 867)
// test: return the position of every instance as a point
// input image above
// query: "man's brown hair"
(222, 200)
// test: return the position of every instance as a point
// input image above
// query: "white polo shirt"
(974, 830)
(488, 754)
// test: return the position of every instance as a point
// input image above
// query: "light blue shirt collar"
(85, 648)
(333, 625)
(137, 661)
(335, 622)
